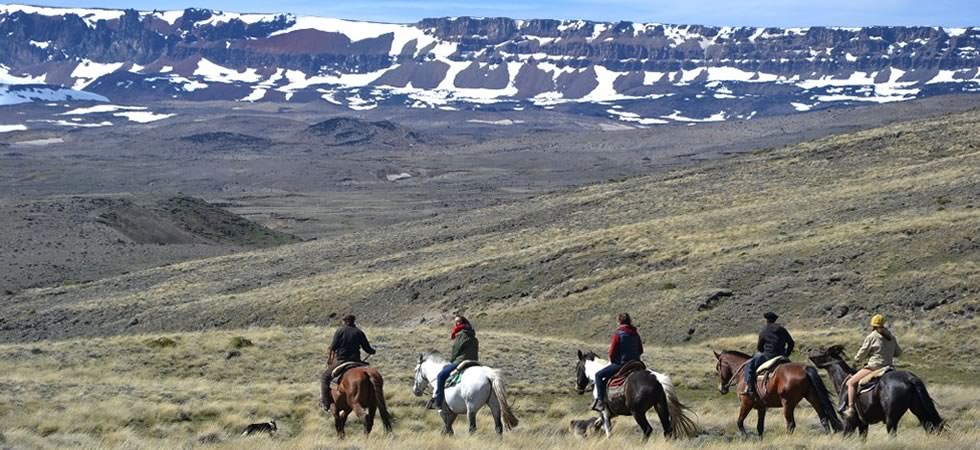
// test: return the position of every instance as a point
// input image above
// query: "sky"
(774, 13)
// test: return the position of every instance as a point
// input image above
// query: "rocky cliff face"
(640, 73)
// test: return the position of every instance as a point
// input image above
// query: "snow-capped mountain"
(640, 73)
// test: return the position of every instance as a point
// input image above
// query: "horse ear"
(717, 355)
(421, 357)
(580, 355)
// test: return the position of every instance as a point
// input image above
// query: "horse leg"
(641, 419)
(495, 411)
(761, 425)
(743, 412)
(893, 417)
(369, 420)
(606, 422)
(664, 413)
(339, 420)
(448, 417)
(471, 416)
(789, 407)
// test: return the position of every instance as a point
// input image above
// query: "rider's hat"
(770, 316)
(878, 321)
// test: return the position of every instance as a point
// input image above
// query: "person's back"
(347, 343)
(773, 341)
(346, 346)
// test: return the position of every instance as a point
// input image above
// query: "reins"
(734, 378)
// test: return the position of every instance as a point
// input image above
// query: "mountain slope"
(651, 73)
(825, 231)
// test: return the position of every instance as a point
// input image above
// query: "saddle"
(616, 392)
(339, 371)
(870, 381)
(765, 371)
(456, 375)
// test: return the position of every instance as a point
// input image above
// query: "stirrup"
(432, 404)
(598, 405)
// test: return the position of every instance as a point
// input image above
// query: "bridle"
(734, 379)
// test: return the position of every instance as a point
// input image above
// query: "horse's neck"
(839, 373)
(431, 369)
(593, 366)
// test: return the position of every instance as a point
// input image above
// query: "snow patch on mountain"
(143, 116)
(219, 74)
(14, 127)
(88, 71)
(101, 109)
(91, 16)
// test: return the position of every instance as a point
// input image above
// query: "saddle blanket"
(457, 375)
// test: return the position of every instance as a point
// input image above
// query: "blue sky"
(781, 13)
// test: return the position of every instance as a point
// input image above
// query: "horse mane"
(735, 353)
(435, 358)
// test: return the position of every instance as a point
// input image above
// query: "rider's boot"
(434, 403)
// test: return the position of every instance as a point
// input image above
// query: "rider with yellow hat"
(879, 348)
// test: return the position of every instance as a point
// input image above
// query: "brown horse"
(788, 385)
(360, 390)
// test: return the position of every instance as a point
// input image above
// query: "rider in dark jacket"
(774, 341)
(626, 346)
(346, 346)
(466, 347)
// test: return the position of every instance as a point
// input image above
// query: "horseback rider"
(466, 347)
(626, 346)
(346, 347)
(879, 348)
(774, 341)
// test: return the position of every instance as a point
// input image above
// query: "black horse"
(645, 389)
(897, 392)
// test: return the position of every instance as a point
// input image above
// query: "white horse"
(647, 389)
(478, 386)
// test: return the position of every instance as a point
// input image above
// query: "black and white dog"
(267, 427)
(586, 427)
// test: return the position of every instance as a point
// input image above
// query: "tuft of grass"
(160, 342)
(239, 342)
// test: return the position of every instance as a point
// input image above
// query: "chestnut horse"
(360, 390)
(788, 385)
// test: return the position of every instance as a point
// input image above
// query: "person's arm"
(336, 341)
(613, 347)
(760, 344)
(366, 345)
(641, 344)
(790, 343)
(862, 353)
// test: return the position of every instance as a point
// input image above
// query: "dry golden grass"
(125, 392)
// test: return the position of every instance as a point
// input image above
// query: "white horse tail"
(510, 420)
(680, 415)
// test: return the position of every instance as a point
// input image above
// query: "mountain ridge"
(644, 74)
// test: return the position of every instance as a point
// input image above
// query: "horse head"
(581, 379)
(418, 386)
(826, 357)
(728, 367)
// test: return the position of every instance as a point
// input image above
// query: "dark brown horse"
(360, 390)
(897, 392)
(645, 389)
(788, 385)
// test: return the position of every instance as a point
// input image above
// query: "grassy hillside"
(824, 232)
(181, 389)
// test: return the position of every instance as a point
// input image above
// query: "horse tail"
(510, 420)
(924, 408)
(680, 415)
(379, 397)
(826, 409)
